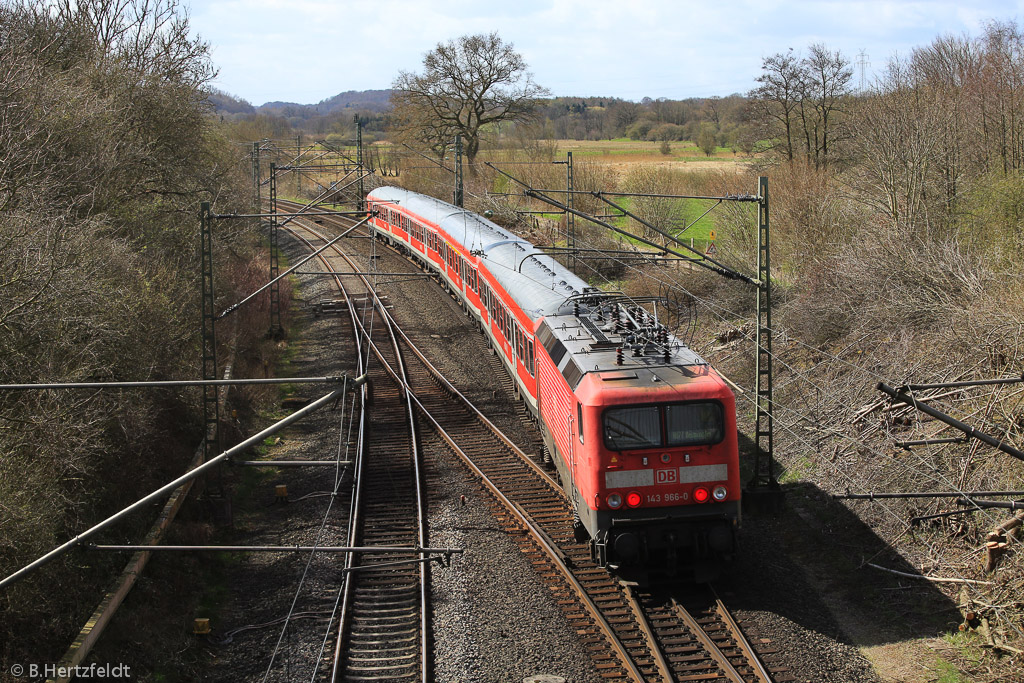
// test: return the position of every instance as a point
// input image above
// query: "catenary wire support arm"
(722, 198)
(297, 214)
(168, 488)
(433, 161)
(957, 385)
(923, 494)
(1005, 504)
(724, 269)
(330, 146)
(663, 249)
(321, 198)
(232, 308)
(904, 397)
(384, 550)
(157, 384)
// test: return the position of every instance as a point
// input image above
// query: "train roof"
(595, 346)
(539, 284)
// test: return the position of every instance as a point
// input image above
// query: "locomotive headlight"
(720, 493)
(614, 501)
(633, 499)
(700, 494)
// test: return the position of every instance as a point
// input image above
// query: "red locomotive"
(642, 431)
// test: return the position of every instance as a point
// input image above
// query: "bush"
(108, 150)
(640, 130)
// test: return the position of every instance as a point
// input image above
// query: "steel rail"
(741, 640)
(544, 541)
(709, 645)
(553, 553)
(356, 505)
(360, 449)
(551, 550)
(664, 668)
(558, 557)
(416, 457)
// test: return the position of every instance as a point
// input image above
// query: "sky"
(306, 51)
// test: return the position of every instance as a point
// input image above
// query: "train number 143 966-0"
(666, 497)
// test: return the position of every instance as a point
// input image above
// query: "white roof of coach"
(538, 283)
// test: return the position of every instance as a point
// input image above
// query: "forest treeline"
(573, 118)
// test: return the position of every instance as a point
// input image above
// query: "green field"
(621, 150)
(690, 210)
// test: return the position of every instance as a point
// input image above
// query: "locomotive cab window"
(689, 424)
(628, 428)
(656, 426)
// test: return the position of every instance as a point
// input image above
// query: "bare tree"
(826, 77)
(800, 100)
(466, 85)
(773, 103)
(897, 132)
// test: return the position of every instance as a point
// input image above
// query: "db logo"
(667, 476)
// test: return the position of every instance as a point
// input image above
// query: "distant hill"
(374, 101)
(366, 100)
(224, 103)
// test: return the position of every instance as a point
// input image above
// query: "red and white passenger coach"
(641, 429)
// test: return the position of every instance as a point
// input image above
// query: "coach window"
(529, 357)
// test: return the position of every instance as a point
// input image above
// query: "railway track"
(383, 618)
(632, 635)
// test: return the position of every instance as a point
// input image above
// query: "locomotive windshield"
(658, 426)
